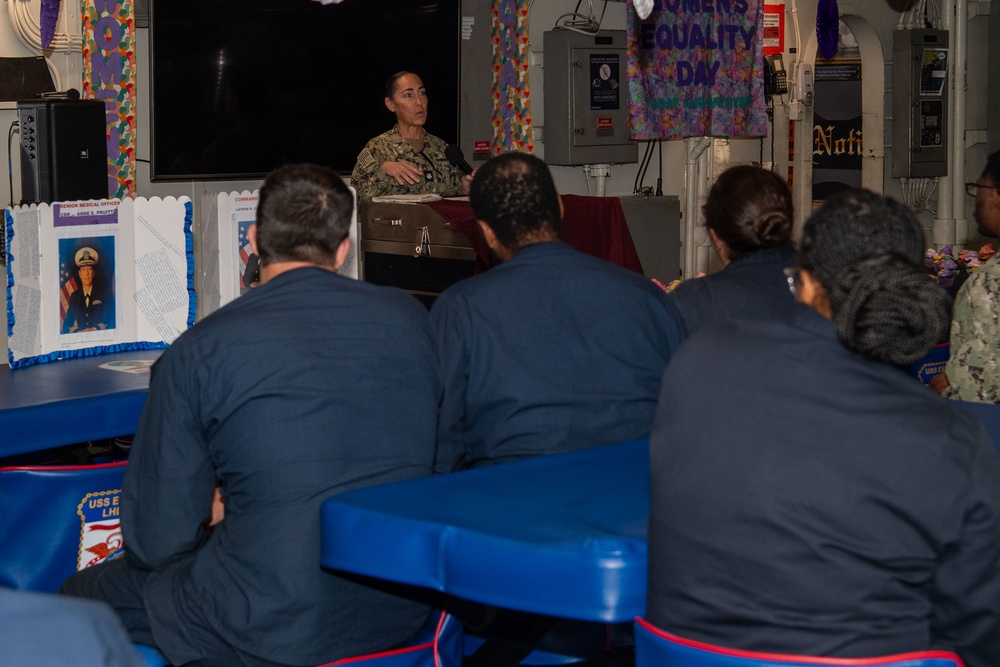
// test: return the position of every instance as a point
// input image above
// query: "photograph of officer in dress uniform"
(86, 294)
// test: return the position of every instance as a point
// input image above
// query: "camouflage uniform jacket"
(974, 363)
(440, 177)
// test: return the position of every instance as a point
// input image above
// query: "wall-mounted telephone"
(803, 82)
(775, 76)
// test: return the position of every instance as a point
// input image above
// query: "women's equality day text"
(689, 34)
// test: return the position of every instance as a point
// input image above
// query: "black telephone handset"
(775, 76)
(252, 273)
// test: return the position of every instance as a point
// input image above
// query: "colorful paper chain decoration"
(109, 75)
(511, 98)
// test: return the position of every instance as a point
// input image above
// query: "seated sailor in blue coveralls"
(282, 397)
(552, 350)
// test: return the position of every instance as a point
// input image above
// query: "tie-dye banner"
(511, 100)
(695, 69)
(109, 75)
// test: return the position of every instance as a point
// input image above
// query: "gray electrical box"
(920, 82)
(655, 226)
(586, 99)
(992, 74)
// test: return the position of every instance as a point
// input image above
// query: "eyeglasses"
(792, 275)
(973, 188)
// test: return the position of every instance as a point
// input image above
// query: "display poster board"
(93, 277)
(697, 70)
(225, 247)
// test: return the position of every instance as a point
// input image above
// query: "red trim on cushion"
(437, 637)
(780, 657)
(397, 651)
(92, 466)
(382, 654)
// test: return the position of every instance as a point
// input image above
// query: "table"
(594, 225)
(70, 401)
(425, 248)
(561, 535)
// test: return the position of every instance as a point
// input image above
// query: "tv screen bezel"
(443, 119)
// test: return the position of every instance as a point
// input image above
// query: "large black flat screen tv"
(239, 87)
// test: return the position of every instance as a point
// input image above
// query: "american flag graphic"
(245, 250)
(67, 279)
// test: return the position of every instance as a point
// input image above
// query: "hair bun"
(886, 308)
(749, 209)
(772, 228)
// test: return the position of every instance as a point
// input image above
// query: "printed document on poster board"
(93, 277)
(225, 243)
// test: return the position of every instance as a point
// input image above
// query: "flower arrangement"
(972, 260)
(945, 267)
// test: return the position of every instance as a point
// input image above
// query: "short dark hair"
(514, 194)
(303, 214)
(866, 251)
(391, 83)
(992, 168)
(750, 209)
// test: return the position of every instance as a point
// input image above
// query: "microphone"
(457, 158)
(71, 94)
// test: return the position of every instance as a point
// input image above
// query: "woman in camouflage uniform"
(406, 159)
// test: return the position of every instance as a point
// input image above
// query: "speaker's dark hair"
(392, 81)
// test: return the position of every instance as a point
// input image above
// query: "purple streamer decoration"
(827, 28)
(48, 17)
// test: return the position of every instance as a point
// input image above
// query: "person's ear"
(252, 237)
(343, 250)
(498, 248)
(488, 234)
(562, 208)
(389, 105)
(810, 292)
(720, 246)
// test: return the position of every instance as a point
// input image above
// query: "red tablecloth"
(594, 225)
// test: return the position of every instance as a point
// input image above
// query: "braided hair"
(866, 251)
(749, 209)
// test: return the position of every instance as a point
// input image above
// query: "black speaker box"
(64, 153)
